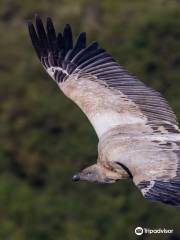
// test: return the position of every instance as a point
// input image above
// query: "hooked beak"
(76, 178)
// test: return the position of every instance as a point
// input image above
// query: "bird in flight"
(138, 133)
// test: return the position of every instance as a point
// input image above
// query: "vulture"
(138, 133)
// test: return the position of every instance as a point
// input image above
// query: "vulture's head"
(97, 173)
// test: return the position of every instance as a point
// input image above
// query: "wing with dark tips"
(61, 58)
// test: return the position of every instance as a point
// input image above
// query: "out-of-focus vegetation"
(45, 138)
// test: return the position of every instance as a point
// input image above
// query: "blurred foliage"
(45, 138)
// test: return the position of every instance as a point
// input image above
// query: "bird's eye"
(52, 69)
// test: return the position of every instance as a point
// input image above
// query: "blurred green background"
(45, 138)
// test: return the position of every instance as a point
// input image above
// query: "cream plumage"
(137, 130)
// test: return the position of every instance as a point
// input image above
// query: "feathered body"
(137, 130)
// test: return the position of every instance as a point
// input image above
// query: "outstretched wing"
(105, 91)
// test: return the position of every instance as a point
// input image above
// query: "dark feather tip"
(67, 38)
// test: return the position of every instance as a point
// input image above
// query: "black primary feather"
(67, 39)
(35, 40)
(51, 36)
(42, 34)
(80, 44)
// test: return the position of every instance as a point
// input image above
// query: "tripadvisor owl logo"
(139, 231)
